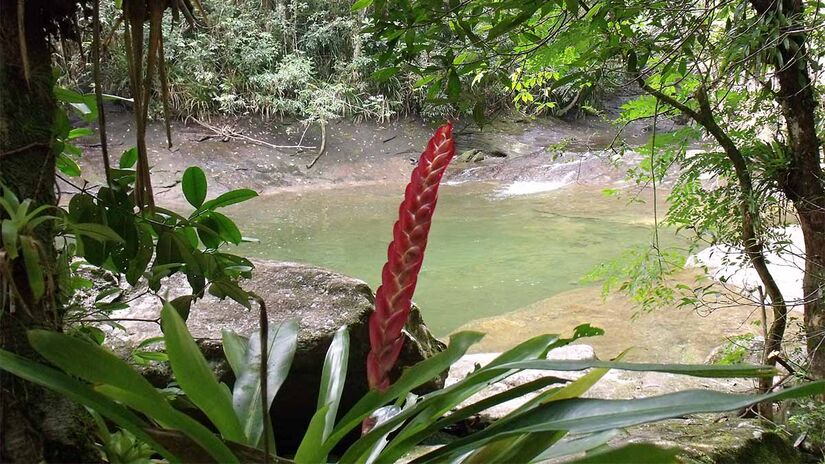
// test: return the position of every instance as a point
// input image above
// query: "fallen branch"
(323, 146)
(227, 133)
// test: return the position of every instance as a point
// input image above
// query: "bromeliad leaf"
(195, 377)
(590, 415)
(234, 347)
(82, 393)
(34, 267)
(332, 386)
(246, 394)
(333, 377)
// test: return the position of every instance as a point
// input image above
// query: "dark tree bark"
(803, 182)
(36, 425)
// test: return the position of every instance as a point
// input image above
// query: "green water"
(487, 255)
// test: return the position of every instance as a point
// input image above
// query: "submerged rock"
(321, 301)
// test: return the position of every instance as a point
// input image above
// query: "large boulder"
(321, 301)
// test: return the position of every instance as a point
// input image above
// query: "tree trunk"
(35, 424)
(803, 182)
(357, 43)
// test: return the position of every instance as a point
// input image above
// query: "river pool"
(489, 253)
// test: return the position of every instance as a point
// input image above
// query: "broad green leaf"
(246, 395)
(435, 405)
(195, 377)
(234, 347)
(695, 370)
(578, 444)
(524, 448)
(633, 454)
(411, 378)
(224, 288)
(383, 74)
(96, 231)
(128, 158)
(143, 255)
(333, 377)
(592, 415)
(67, 165)
(360, 5)
(227, 230)
(229, 198)
(183, 304)
(92, 363)
(411, 441)
(34, 268)
(9, 232)
(114, 378)
(81, 393)
(329, 397)
(194, 186)
(79, 132)
(307, 452)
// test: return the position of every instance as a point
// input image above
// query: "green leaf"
(695, 370)
(229, 198)
(67, 165)
(412, 378)
(572, 5)
(360, 5)
(194, 186)
(524, 448)
(308, 452)
(34, 268)
(79, 132)
(234, 347)
(183, 304)
(116, 379)
(79, 392)
(9, 232)
(195, 377)
(633, 454)
(129, 158)
(506, 25)
(332, 386)
(246, 394)
(576, 445)
(383, 74)
(224, 288)
(96, 231)
(403, 447)
(581, 415)
(333, 377)
(227, 230)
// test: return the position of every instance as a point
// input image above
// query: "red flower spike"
(404, 257)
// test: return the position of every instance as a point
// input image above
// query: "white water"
(530, 187)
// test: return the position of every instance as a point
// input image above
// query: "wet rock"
(321, 301)
(716, 439)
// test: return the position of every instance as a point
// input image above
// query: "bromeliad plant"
(404, 258)
(398, 419)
